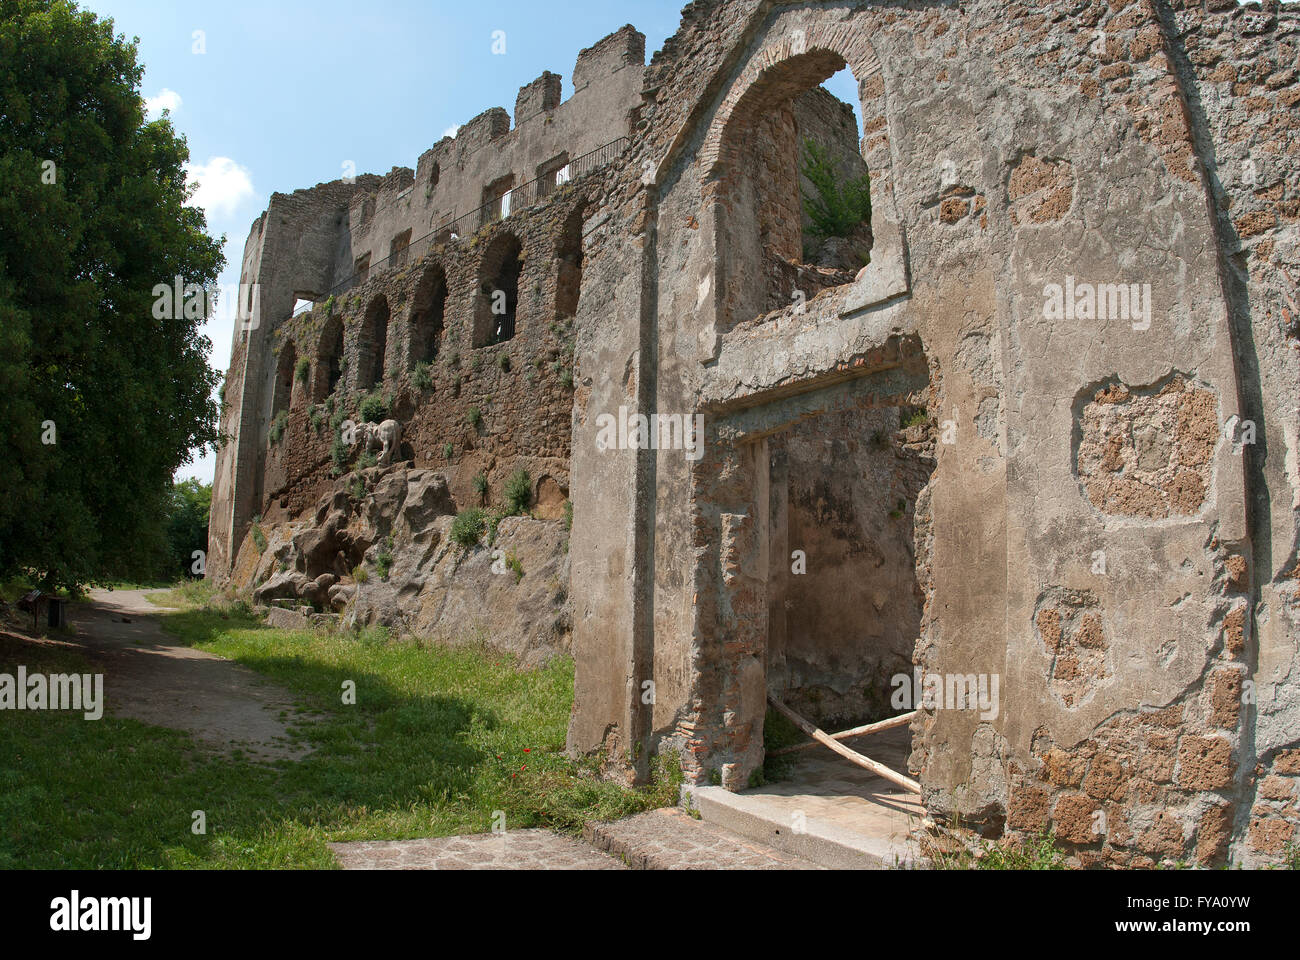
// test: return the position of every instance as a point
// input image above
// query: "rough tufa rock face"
(973, 458)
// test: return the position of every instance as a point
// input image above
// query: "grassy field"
(438, 740)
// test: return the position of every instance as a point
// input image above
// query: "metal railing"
(514, 201)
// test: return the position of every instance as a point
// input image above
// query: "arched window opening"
(284, 377)
(797, 210)
(372, 344)
(329, 360)
(497, 313)
(428, 314)
(568, 253)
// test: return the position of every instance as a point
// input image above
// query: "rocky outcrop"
(511, 595)
(378, 551)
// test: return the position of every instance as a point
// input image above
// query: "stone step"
(671, 839)
(809, 835)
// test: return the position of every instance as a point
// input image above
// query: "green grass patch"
(1034, 853)
(438, 740)
(183, 595)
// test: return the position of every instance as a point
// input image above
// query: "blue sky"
(285, 93)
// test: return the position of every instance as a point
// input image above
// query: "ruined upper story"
(458, 184)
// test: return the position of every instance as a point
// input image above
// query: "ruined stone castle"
(1049, 434)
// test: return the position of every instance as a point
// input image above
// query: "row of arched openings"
(496, 316)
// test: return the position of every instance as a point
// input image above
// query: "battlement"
(489, 157)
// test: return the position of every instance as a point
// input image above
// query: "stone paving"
(671, 839)
(513, 850)
(668, 839)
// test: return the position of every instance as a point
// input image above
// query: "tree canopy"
(101, 400)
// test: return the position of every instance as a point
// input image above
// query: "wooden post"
(879, 769)
(890, 724)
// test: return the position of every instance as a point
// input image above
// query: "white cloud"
(223, 186)
(451, 131)
(165, 100)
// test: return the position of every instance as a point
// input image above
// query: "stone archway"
(800, 52)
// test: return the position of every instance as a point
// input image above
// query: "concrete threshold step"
(771, 821)
(671, 839)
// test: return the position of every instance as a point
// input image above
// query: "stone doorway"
(846, 496)
(844, 601)
(820, 503)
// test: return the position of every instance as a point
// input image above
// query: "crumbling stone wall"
(327, 241)
(1109, 525)
(1013, 149)
(522, 388)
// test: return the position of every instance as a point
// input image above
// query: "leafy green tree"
(836, 207)
(187, 526)
(100, 400)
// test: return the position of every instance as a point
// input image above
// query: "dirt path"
(149, 677)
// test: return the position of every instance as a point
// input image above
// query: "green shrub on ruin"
(279, 425)
(339, 455)
(467, 528)
(474, 417)
(303, 370)
(916, 418)
(384, 558)
(374, 407)
(481, 486)
(493, 523)
(519, 491)
(422, 376)
(836, 207)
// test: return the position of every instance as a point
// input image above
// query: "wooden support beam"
(879, 769)
(900, 721)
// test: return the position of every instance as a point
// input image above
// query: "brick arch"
(498, 264)
(795, 51)
(371, 348)
(426, 319)
(802, 49)
(328, 368)
(286, 373)
(569, 259)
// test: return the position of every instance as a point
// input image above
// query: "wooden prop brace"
(879, 769)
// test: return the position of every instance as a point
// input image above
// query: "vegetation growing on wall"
(836, 207)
